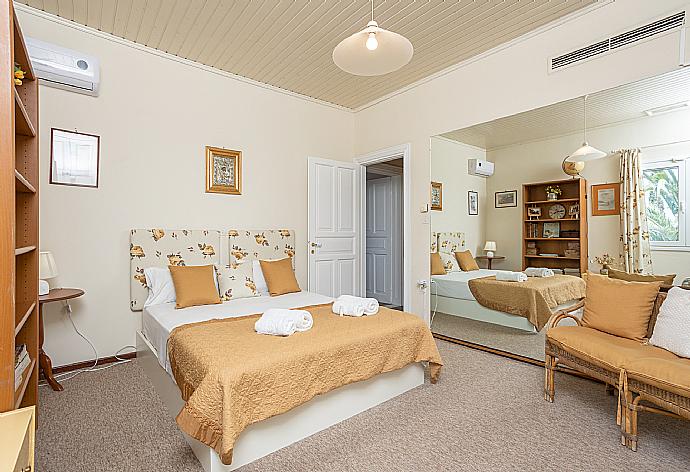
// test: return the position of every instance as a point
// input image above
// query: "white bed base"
(473, 310)
(265, 437)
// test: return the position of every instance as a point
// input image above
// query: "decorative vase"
(552, 196)
(604, 270)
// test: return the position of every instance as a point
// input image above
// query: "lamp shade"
(390, 52)
(586, 153)
(47, 269)
(490, 246)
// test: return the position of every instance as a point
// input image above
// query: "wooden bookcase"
(18, 215)
(555, 252)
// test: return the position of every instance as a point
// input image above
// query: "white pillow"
(259, 279)
(160, 284)
(450, 262)
(672, 328)
(236, 281)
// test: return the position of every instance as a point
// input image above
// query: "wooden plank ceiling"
(288, 43)
(617, 105)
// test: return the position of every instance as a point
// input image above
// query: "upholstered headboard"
(260, 244)
(165, 247)
(450, 242)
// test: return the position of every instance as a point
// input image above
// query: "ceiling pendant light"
(373, 51)
(585, 152)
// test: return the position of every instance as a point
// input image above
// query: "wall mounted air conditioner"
(64, 68)
(480, 167)
(685, 41)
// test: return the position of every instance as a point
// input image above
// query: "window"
(665, 184)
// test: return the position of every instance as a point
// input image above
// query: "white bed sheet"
(455, 284)
(158, 321)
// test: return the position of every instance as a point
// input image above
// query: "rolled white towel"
(282, 322)
(507, 276)
(369, 305)
(345, 308)
(539, 272)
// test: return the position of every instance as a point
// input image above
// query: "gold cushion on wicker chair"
(618, 307)
(603, 348)
(620, 275)
(667, 374)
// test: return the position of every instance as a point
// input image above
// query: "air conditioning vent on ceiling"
(638, 34)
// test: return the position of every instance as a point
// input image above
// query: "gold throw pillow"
(620, 275)
(280, 278)
(466, 261)
(618, 307)
(437, 264)
(194, 285)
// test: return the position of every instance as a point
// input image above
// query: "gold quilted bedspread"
(231, 377)
(533, 299)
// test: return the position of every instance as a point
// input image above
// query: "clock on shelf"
(557, 212)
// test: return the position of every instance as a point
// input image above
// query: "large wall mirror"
(515, 199)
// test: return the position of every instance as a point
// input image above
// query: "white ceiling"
(620, 104)
(288, 43)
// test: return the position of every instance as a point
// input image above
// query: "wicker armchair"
(627, 366)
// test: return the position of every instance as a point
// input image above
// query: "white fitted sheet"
(455, 284)
(158, 321)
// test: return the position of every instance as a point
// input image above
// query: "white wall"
(154, 116)
(509, 81)
(449, 166)
(541, 161)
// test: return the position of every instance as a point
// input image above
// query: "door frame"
(403, 151)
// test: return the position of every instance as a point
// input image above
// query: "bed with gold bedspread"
(231, 377)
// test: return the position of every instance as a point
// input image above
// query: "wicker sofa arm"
(560, 315)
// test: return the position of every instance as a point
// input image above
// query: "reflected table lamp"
(46, 270)
(490, 247)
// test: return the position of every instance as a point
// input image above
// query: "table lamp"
(46, 270)
(490, 247)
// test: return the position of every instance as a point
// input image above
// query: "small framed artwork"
(223, 171)
(574, 211)
(606, 199)
(74, 158)
(436, 196)
(533, 213)
(552, 230)
(506, 199)
(472, 202)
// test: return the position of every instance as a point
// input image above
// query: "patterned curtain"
(637, 257)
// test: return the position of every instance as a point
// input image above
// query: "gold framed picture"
(436, 196)
(606, 199)
(223, 171)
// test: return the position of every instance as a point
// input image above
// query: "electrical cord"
(70, 375)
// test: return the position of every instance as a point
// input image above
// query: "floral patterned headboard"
(164, 247)
(450, 242)
(260, 244)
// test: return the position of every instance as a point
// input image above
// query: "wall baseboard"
(89, 363)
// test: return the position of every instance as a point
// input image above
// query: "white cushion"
(160, 284)
(236, 281)
(672, 328)
(450, 262)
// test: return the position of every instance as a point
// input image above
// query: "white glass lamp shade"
(370, 55)
(490, 246)
(586, 153)
(47, 269)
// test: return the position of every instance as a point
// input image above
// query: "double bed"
(238, 396)
(455, 293)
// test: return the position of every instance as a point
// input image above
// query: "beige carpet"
(485, 414)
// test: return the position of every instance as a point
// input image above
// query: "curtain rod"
(657, 145)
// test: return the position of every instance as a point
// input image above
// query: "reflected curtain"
(637, 257)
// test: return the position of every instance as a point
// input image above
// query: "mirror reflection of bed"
(485, 204)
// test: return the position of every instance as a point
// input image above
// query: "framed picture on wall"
(223, 171)
(505, 199)
(606, 199)
(472, 202)
(74, 158)
(436, 196)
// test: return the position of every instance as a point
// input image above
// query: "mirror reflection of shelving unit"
(554, 231)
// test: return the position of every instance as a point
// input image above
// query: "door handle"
(313, 244)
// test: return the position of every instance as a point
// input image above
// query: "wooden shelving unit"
(18, 214)
(573, 228)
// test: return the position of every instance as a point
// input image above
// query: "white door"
(379, 240)
(333, 227)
